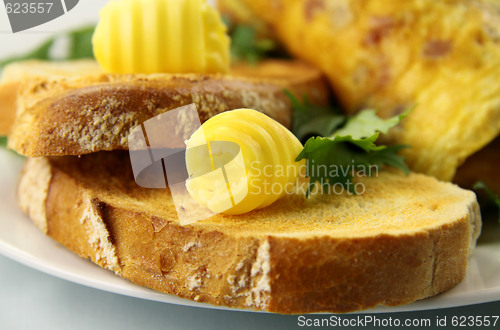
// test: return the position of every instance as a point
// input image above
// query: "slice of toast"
(14, 73)
(79, 115)
(406, 238)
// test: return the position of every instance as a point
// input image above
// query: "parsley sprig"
(247, 44)
(491, 195)
(79, 47)
(311, 120)
(342, 146)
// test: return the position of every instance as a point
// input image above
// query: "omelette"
(443, 56)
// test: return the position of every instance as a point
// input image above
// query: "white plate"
(23, 242)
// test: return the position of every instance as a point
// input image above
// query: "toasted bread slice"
(79, 115)
(405, 238)
(13, 74)
(443, 56)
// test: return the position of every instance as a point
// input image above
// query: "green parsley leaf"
(332, 161)
(81, 43)
(40, 53)
(3, 144)
(246, 46)
(311, 120)
(80, 46)
(3, 141)
(348, 151)
(367, 123)
(492, 196)
(228, 22)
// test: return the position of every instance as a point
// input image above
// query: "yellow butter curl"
(161, 36)
(252, 171)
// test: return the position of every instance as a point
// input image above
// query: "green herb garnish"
(367, 123)
(246, 46)
(80, 46)
(3, 141)
(492, 196)
(81, 43)
(334, 158)
(40, 53)
(311, 120)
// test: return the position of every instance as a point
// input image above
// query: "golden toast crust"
(74, 116)
(14, 73)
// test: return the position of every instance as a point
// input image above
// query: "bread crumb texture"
(32, 191)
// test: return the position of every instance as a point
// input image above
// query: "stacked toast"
(405, 238)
